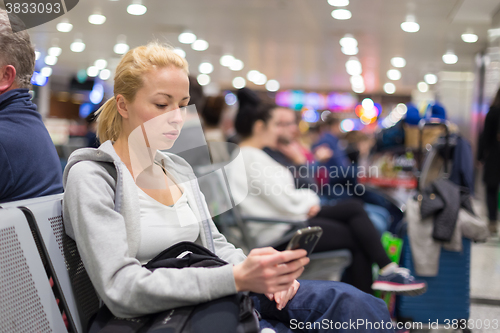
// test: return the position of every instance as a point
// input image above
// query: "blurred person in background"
(489, 154)
(211, 114)
(29, 164)
(271, 189)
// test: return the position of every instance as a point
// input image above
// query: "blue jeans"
(325, 306)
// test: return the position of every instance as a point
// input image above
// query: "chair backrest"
(70, 277)
(27, 303)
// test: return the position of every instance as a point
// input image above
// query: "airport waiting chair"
(213, 183)
(72, 284)
(27, 303)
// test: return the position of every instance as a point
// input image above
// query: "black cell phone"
(306, 239)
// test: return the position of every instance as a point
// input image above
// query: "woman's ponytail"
(109, 121)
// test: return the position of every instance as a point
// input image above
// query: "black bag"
(235, 313)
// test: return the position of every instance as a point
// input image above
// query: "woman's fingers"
(283, 257)
(292, 266)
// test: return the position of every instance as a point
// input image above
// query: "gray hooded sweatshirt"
(101, 213)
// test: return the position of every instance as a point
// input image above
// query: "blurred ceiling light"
(180, 52)
(50, 60)
(237, 65)
(368, 104)
(348, 41)
(97, 19)
(92, 71)
(187, 37)
(105, 74)
(100, 63)
(338, 3)
(394, 74)
(470, 37)
(353, 67)
(430, 78)
(261, 80)
(341, 14)
(357, 80)
(121, 47)
(37, 55)
(450, 58)
(226, 60)
(410, 25)
(423, 87)
(398, 62)
(206, 68)
(253, 75)
(54, 51)
(46, 71)
(203, 79)
(351, 52)
(239, 82)
(199, 45)
(64, 26)
(136, 8)
(359, 90)
(77, 45)
(389, 88)
(272, 85)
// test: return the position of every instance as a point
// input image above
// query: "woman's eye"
(161, 105)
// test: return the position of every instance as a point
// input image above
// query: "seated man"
(29, 165)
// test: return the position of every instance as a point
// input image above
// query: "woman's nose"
(176, 116)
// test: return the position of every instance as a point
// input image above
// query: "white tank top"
(163, 226)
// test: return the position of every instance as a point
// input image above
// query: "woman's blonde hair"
(128, 80)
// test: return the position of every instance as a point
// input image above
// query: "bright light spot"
(100, 63)
(347, 125)
(410, 25)
(311, 116)
(367, 104)
(46, 71)
(180, 52)
(253, 75)
(77, 46)
(394, 74)
(92, 71)
(230, 98)
(97, 19)
(341, 14)
(237, 65)
(352, 51)
(136, 9)
(121, 48)
(105, 74)
(187, 38)
(50, 60)
(200, 45)
(431, 78)
(357, 80)
(226, 60)
(54, 51)
(450, 58)
(359, 90)
(239, 82)
(203, 79)
(37, 55)
(389, 88)
(206, 68)
(325, 114)
(261, 80)
(38, 79)
(338, 3)
(423, 87)
(398, 62)
(64, 26)
(348, 41)
(470, 37)
(353, 67)
(97, 93)
(272, 85)
(401, 108)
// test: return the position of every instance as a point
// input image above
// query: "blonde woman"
(120, 219)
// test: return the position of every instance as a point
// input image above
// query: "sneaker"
(400, 282)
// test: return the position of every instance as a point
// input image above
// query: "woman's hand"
(282, 297)
(313, 211)
(268, 271)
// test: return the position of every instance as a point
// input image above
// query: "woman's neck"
(252, 142)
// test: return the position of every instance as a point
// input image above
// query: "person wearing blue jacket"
(29, 165)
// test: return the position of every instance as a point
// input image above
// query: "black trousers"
(347, 226)
(492, 201)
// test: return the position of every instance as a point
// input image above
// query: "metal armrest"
(301, 223)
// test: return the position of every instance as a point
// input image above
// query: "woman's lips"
(172, 135)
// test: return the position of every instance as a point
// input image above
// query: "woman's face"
(268, 133)
(158, 110)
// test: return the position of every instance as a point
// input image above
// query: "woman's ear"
(121, 105)
(258, 127)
